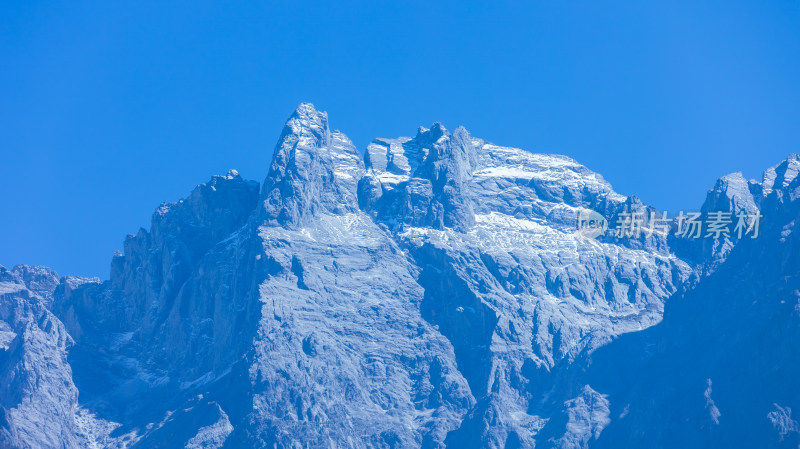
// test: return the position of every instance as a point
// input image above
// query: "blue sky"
(109, 108)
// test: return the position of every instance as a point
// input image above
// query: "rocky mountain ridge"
(432, 293)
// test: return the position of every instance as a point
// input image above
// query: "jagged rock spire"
(781, 175)
(425, 177)
(449, 167)
(733, 193)
(313, 170)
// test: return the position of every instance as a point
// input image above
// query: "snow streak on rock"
(431, 294)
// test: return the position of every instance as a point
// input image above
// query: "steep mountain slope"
(433, 293)
(519, 294)
(288, 319)
(37, 396)
(343, 356)
(721, 369)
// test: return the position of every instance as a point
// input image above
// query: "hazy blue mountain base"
(431, 293)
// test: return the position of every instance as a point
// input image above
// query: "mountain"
(37, 395)
(721, 369)
(431, 293)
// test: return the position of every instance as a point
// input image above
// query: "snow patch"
(713, 411)
(96, 432)
(212, 436)
(781, 419)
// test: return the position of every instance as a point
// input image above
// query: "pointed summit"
(307, 121)
(781, 176)
(733, 193)
(307, 129)
(313, 169)
(436, 131)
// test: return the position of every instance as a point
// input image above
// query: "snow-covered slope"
(432, 293)
(507, 280)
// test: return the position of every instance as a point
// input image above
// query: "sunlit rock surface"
(432, 293)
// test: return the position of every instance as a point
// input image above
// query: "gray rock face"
(518, 293)
(781, 176)
(37, 395)
(733, 193)
(432, 294)
(177, 314)
(721, 369)
(314, 170)
(342, 356)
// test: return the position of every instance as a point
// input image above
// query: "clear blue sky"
(109, 108)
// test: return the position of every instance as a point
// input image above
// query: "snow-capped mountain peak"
(432, 294)
(313, 169)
